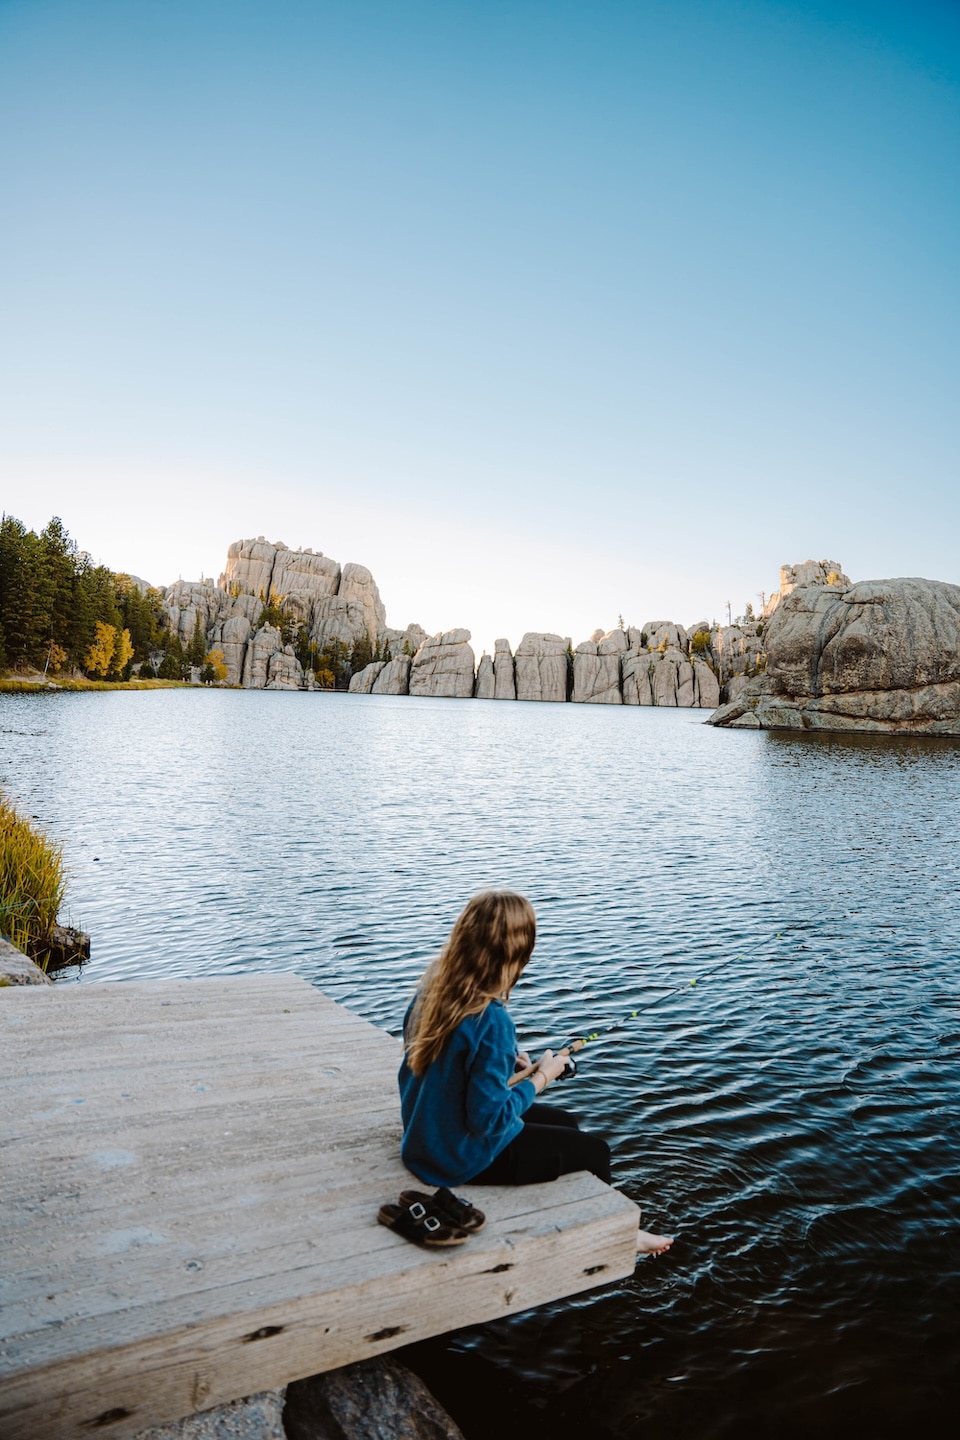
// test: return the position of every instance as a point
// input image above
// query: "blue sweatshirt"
(460, 1113)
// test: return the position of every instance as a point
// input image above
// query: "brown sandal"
(415, 1223)
(448, 1208)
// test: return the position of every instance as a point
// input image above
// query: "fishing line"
(579, 1042)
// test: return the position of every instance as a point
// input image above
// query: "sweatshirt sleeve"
(492, 1104)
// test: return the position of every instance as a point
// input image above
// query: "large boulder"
(187, 599)
(596, 672)
(668, 678)
(444, 666)
(670, 672)
(664, 634)
(358, 587)
(258, 1417)
(261, 648)
(737, 649)
(230, 637)
(707, 686)
(485, 688)
(377, 1399)
(249, 567)
(18, 969)
(363, 682)
(882, 656)
(394, 678)
(541, 665)
(808, 572)
(284, 671)
(636, 667)
(504, 673)
(302, 580)
(402, 642)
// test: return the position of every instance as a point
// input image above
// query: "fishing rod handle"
(568, 1051)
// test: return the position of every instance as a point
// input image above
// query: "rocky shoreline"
(880, 657)
(658, 663)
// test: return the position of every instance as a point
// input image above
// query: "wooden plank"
(204, 1224)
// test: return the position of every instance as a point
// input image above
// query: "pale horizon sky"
(545, 312)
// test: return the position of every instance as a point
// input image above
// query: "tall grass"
(31, 881)
(16, 685)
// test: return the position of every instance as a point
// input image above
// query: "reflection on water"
(781, 910)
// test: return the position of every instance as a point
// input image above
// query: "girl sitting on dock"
(464, 1121)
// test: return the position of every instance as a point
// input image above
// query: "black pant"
(551, 1143)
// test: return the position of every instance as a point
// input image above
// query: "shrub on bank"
(31, 881)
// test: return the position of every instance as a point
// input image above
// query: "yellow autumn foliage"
(99, 657)
(123, 652)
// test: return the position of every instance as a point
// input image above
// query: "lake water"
(782, 910)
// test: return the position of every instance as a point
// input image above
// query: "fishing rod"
(578, 1042)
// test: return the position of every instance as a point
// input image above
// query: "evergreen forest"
(59, 611)
(62, 615)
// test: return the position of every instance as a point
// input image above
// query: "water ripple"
(779, 910)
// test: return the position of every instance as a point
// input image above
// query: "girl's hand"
(523, 1061)
(552, 1066)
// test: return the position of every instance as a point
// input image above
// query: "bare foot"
(648, 1244)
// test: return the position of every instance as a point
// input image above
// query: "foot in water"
(648, 1244)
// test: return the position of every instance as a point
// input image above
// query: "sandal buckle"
(431, 1222)
(417, 1211)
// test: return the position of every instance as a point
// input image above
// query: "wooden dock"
(189, 1178)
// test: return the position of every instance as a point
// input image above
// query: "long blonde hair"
(488, 947)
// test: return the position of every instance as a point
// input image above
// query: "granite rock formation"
(363, 682)
(504, 672)
(596, 669)
(737, 649)
(808, 572)
(486, 685)
(383, 677)
(880, 656)
(376, 1399)
(444, 666)
(275, 611)
(541, 667)
(17, 968)
(327, 602)
(394, 678)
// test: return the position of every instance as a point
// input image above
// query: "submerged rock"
(880, 656)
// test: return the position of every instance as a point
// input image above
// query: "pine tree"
(197, 649)
(24, 593)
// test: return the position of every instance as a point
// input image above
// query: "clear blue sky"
(544, 311)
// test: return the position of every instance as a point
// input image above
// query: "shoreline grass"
(32, 882)
(19, 685)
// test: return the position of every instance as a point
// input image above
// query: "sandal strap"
(461, 1212)
(448, 1208)
(416, 1224)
